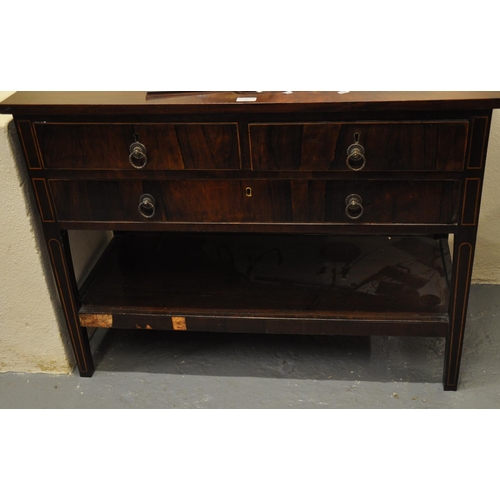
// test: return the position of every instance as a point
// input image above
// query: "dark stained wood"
(299, 277)
(106, 146)
(398, 202)
(233, 201)
(425, 157)
(464, 249)
(106, 103)
(270, 201)
(333, 228)
(480, 133)
(280, 326)
(43, 200)
(27, 141)
(388, 146)
(464, 245)
(294, 147)
(472, 196)
(62, 266)
(179, 201)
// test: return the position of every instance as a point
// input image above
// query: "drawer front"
(384, 202)
(174, 201)
(266, 201)
(405, 146)
(182, 146)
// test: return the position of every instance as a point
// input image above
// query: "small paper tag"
(246, 99)
(179, 323)
(96, 320)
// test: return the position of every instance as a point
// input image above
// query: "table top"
(23, 103)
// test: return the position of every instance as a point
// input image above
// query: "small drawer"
(384, 202)
(156, 146)
(172, 201)
(381, 146)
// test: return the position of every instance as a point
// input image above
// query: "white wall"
(487, 261)
(33, 335)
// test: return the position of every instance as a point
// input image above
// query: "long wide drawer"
(254, 201)
(411, 146)
(148, 146)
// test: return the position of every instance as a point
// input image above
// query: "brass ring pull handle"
(147, 206)
(356, 155)
(138, 155)
(354, 206)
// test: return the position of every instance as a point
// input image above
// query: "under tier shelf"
(266, 283)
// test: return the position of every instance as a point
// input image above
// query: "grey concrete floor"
(145, 369)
